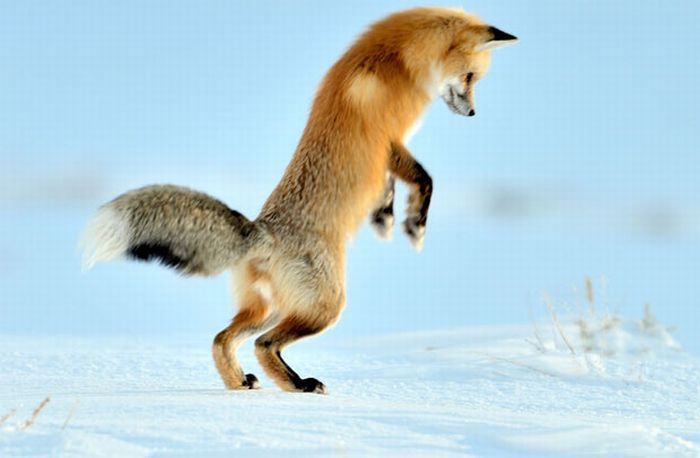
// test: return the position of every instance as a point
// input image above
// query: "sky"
(582, 159)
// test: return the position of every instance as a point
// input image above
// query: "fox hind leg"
(252, 318)
(269, 346)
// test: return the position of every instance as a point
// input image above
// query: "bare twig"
(557, 325)
(5, 417)
(540, 344)
(536, 346)
(589, 291)
(590, 295)
(70, 414)
(649, 321)
(30, 421)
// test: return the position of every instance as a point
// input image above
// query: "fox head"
(444, 50)
(466, 61)
(406, 59)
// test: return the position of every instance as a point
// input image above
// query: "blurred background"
(582, 160)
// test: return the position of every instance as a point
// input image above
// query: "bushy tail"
(183, 229)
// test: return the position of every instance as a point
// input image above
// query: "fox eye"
(468, 79)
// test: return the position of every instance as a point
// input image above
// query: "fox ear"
(496, 38)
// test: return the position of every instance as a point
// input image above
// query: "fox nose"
(471, 112)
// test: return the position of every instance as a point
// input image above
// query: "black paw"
(251, 382)
(311, 385)
(414, 227)
(382, 222)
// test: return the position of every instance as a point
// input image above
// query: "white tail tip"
(106, 237)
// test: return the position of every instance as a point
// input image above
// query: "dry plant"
(5, 417)
(70, 415)
(589, 292)
(539, 343)
(557, 324)
(592, 342)
(602, 334)
(30, 421)
(649, 321)
(596, 336)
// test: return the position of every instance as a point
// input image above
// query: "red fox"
(288, 265)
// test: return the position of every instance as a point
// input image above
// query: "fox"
(287, 265)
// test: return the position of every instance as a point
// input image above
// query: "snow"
(481, 390)
(423, 361)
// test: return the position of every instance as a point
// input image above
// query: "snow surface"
(595, 384)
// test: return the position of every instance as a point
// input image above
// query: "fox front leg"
(382, 217)
(406, 168)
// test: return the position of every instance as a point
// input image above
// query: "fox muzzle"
(460, 103)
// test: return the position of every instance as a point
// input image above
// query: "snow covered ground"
(593, 384)
(423, 361)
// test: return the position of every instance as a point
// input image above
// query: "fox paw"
(383, 222)
(415, 230)
(311, 385)
(251, 382)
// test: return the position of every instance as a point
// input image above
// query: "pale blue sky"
(592, 117)
(595, 89)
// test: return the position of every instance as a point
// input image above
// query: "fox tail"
(183, 229)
